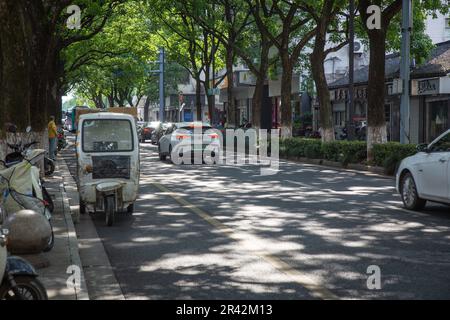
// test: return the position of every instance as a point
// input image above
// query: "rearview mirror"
(423, 147)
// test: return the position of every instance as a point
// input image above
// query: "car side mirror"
(423, 147)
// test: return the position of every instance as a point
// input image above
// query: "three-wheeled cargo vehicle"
(107, 163)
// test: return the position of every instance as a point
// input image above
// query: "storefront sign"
(425, 87)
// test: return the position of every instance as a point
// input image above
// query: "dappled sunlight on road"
(328, 223)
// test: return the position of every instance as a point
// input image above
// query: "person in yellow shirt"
(52, 136)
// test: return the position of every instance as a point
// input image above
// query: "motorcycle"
(18, 277)
(62, 142)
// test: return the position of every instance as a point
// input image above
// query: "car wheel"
(162, 156)
(409, 194)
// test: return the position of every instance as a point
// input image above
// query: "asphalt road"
(307, 232)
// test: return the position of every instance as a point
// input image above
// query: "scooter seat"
(108, 186)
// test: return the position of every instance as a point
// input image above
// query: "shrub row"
(386, 155)
(389, 155)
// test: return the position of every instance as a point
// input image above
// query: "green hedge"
(386, 155)
(389, 155)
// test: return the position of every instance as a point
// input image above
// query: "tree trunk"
(256, 103)
(259, 86)
(146, 108)
(232, 116)
(317, 59)
(286, 89)
(15, 65)
(198, 98)
(376, 123)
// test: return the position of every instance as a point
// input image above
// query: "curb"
(355, 168)
(98, 274)
(81, 294)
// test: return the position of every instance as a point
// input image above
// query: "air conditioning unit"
(358, 47)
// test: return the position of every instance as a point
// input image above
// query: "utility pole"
(160, 72)
(162, 98)
(351, 68)
(405, 70)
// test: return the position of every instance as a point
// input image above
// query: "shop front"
(434, 110)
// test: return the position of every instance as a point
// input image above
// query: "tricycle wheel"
(109, 210)
(130, 209)
(82, 207)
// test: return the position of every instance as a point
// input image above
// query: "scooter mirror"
(28, 129)
(12, 128)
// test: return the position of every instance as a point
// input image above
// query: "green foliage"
(389, 155)
(386, 155)
(115, 66)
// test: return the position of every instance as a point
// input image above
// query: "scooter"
(18, 277)
(19, 148)
(17, 156)
(62, 143)
(22, 189)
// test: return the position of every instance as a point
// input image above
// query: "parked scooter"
(18, 277)
(18, 155)
(21, 186)
(19, 148)
(62, 142)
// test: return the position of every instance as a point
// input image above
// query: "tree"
(32, 36)
(325, 13)
(113, 68)
(241, 37)
(378, 44)
(289, 29)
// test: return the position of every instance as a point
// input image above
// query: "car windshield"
(442, 145)
(107, 135)
(195, 128)
(153, 124)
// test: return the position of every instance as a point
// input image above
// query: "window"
(447, 24)
(443, 145)
(107, 135)
(438, 121)
(339, 118)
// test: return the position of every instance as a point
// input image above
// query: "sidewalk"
(52, 266)
(100, 279)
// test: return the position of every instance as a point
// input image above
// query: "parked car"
(147, 131)
(189, 139)
(425, 176)
(159, 132)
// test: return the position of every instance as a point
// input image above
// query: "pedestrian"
(52, 136)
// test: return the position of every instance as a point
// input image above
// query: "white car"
(187, 141)
(426, 175)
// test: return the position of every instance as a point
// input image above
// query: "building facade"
(429, 100)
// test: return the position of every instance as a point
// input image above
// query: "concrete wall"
(435, 28)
